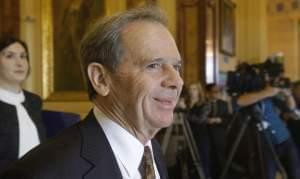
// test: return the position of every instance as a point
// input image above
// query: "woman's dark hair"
(6, 41)
(210, 86)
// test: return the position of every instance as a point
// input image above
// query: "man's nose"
(173, 79)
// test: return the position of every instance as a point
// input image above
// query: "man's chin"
(167, 121)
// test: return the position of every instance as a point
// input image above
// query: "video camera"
(250, 78)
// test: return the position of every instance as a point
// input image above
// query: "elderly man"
(132, 67)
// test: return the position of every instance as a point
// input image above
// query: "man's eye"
(178, 67)
(154, 66)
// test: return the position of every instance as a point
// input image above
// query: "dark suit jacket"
(9, 127)
(221, 110)
(80, 152)
(210, 139)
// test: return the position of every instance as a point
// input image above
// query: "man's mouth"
(167, 103)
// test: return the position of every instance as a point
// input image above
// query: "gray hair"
(102, 43)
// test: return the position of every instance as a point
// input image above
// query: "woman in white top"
(21, 126)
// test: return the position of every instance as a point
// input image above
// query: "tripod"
(253, 115)
(180, 120)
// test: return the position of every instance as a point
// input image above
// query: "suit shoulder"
(51, 157)
(62, 144)
(31, 95)
(33, 99)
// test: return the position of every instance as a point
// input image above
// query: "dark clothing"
(9, 128)
(217, 137)
(198, 113)
(82, 151)
(278, 135)
(210, 138)
(197, 117)
(288, 155)
(281, 139)
(219, 108)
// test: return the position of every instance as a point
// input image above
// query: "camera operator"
(294, 118)
(269, 102)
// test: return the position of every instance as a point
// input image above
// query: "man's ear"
(99, 78)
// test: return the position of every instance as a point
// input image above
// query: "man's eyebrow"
(161, 59)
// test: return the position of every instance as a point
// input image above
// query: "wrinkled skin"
(142, 94)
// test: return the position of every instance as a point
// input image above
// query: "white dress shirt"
(127, 149)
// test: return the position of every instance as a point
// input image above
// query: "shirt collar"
(11, 97)
(126, 147)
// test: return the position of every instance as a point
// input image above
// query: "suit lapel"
(33, 108)
(97, 151)
(158, 157)
(9, 125)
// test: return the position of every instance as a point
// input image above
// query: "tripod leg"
(260, 154)
(234, 147)
(192, 147)
(274, 155)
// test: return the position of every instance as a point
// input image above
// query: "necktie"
(146, 167)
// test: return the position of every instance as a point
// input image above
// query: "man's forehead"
(137, 24)
(148, 34)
